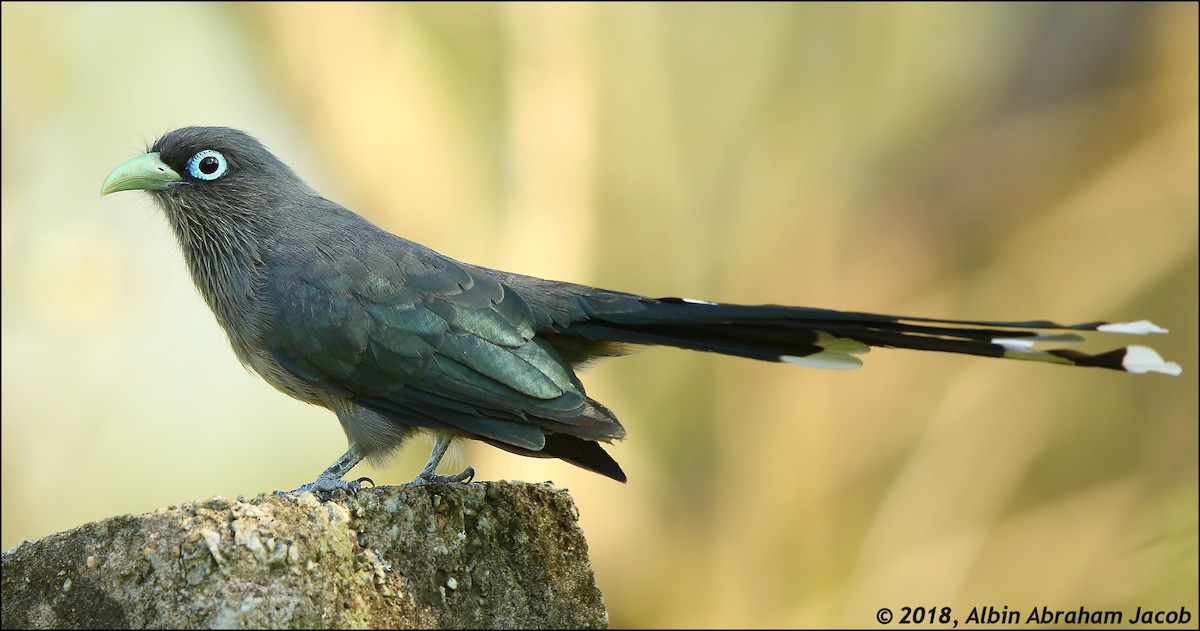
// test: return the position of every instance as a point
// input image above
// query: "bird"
(397, 339)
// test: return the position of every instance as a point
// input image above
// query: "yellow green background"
(990, 161)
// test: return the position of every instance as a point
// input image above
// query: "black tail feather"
(827, 338)
(587, 454)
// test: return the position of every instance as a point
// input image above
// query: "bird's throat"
(225, 262)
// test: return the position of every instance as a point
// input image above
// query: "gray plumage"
(392, 336)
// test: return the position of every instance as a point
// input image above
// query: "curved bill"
(146, 172)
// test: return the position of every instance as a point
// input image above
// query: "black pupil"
(208, 165)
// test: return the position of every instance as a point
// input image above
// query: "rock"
(495, 554)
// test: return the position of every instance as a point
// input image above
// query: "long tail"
(830, 339)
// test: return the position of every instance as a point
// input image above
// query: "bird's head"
(228, 200)
(206, 168)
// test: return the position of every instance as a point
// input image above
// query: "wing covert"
(433, 344)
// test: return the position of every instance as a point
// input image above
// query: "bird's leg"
(440, 445)
(331, 479)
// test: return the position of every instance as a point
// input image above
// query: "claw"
(428, 477)
(331, 479)
(329, 485)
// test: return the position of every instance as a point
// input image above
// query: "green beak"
(146, 172)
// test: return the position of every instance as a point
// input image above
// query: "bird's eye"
(207, 165)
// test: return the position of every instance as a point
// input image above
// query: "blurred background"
(985, 161)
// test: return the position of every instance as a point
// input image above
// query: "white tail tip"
(1141, 327)
(1143, 359)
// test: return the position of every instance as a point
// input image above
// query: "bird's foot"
(427, 476)
(325, 486)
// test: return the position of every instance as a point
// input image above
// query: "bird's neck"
(225, 260)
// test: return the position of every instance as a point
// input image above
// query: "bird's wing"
(428, 341)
